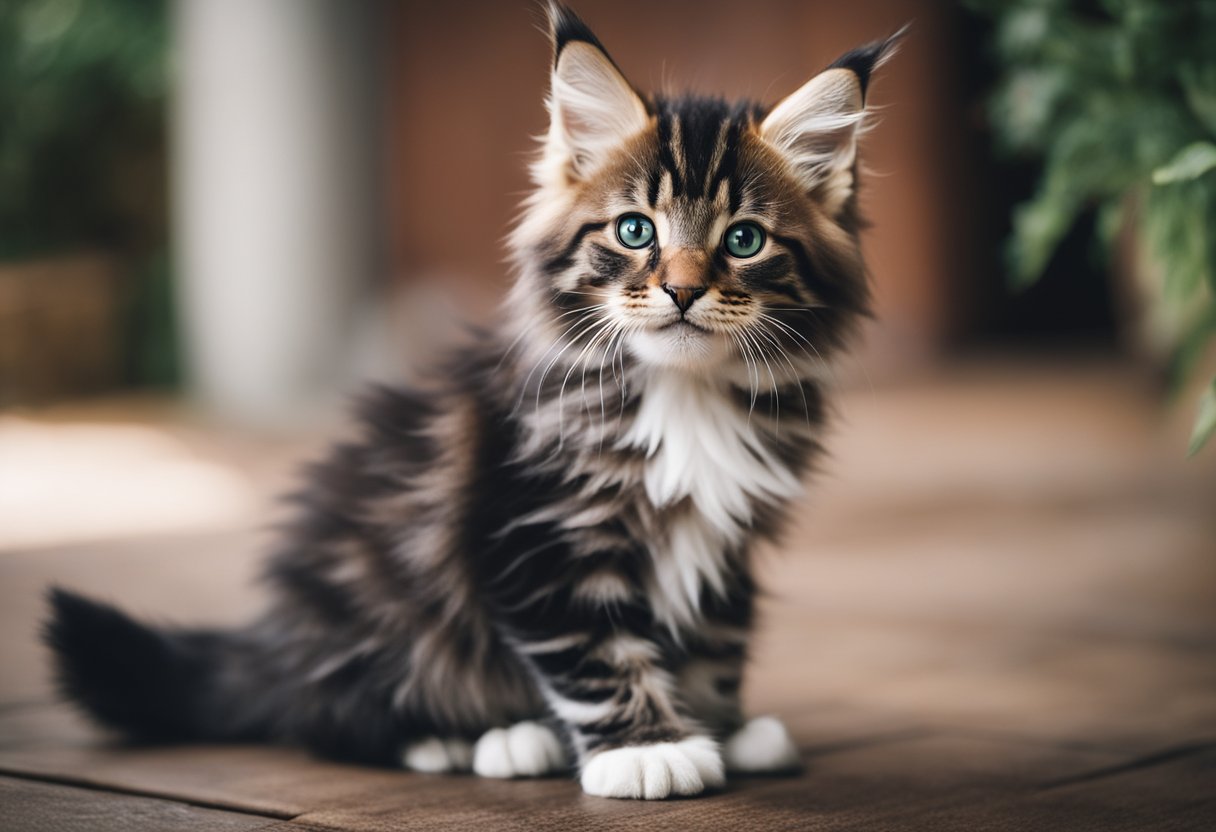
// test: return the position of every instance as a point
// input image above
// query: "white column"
(276, 170)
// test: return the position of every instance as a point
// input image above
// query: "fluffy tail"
(150, 684)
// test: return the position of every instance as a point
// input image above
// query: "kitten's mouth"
(684, 325)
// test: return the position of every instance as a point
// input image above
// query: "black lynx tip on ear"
(566, 27)
(863, 60)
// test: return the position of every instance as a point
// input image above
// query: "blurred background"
(253, 205)
(220, 217)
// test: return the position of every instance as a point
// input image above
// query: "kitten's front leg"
(606, 679)
(617, 696)
(710, 680)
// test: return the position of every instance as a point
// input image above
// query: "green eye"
(744, 239)
(634, 231)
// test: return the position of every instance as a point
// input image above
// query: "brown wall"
(467, 82)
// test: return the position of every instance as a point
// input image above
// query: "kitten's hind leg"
(435, 755)
(526, 749)
(762, 746)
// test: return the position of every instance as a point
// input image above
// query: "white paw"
(434, 755)
(526, 749)
(762, 745)
(653, 772)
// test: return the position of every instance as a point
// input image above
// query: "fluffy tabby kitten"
(540, 560)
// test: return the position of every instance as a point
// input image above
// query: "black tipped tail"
(150, 684)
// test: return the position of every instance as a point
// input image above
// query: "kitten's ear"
(592, 108)
(816, 127)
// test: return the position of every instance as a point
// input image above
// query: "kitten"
(540, 559)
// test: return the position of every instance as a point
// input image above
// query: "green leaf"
(1192, 162)
(1194, 339)
(1199, 88)
(1038, 227)
(1205, 422)
(1175, 221)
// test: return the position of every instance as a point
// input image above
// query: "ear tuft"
(863, 60)
(566, 27)
(816, 127)
(592, 108)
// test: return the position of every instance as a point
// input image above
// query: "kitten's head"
(693, 232)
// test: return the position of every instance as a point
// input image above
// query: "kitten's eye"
(744, 239)
(634, 231)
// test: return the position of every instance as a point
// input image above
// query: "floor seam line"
(1158, 758)
(89, 785)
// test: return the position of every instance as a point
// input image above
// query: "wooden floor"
(997, 611)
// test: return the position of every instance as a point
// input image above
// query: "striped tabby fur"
(541, 558)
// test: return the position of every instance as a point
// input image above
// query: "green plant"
(82, 86)
(1118, 97)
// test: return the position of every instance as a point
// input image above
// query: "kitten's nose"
(684, 276)
(684, 296)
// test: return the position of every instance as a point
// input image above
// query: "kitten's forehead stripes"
(698, 142)
(667, 161)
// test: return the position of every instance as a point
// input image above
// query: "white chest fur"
(700, 446)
